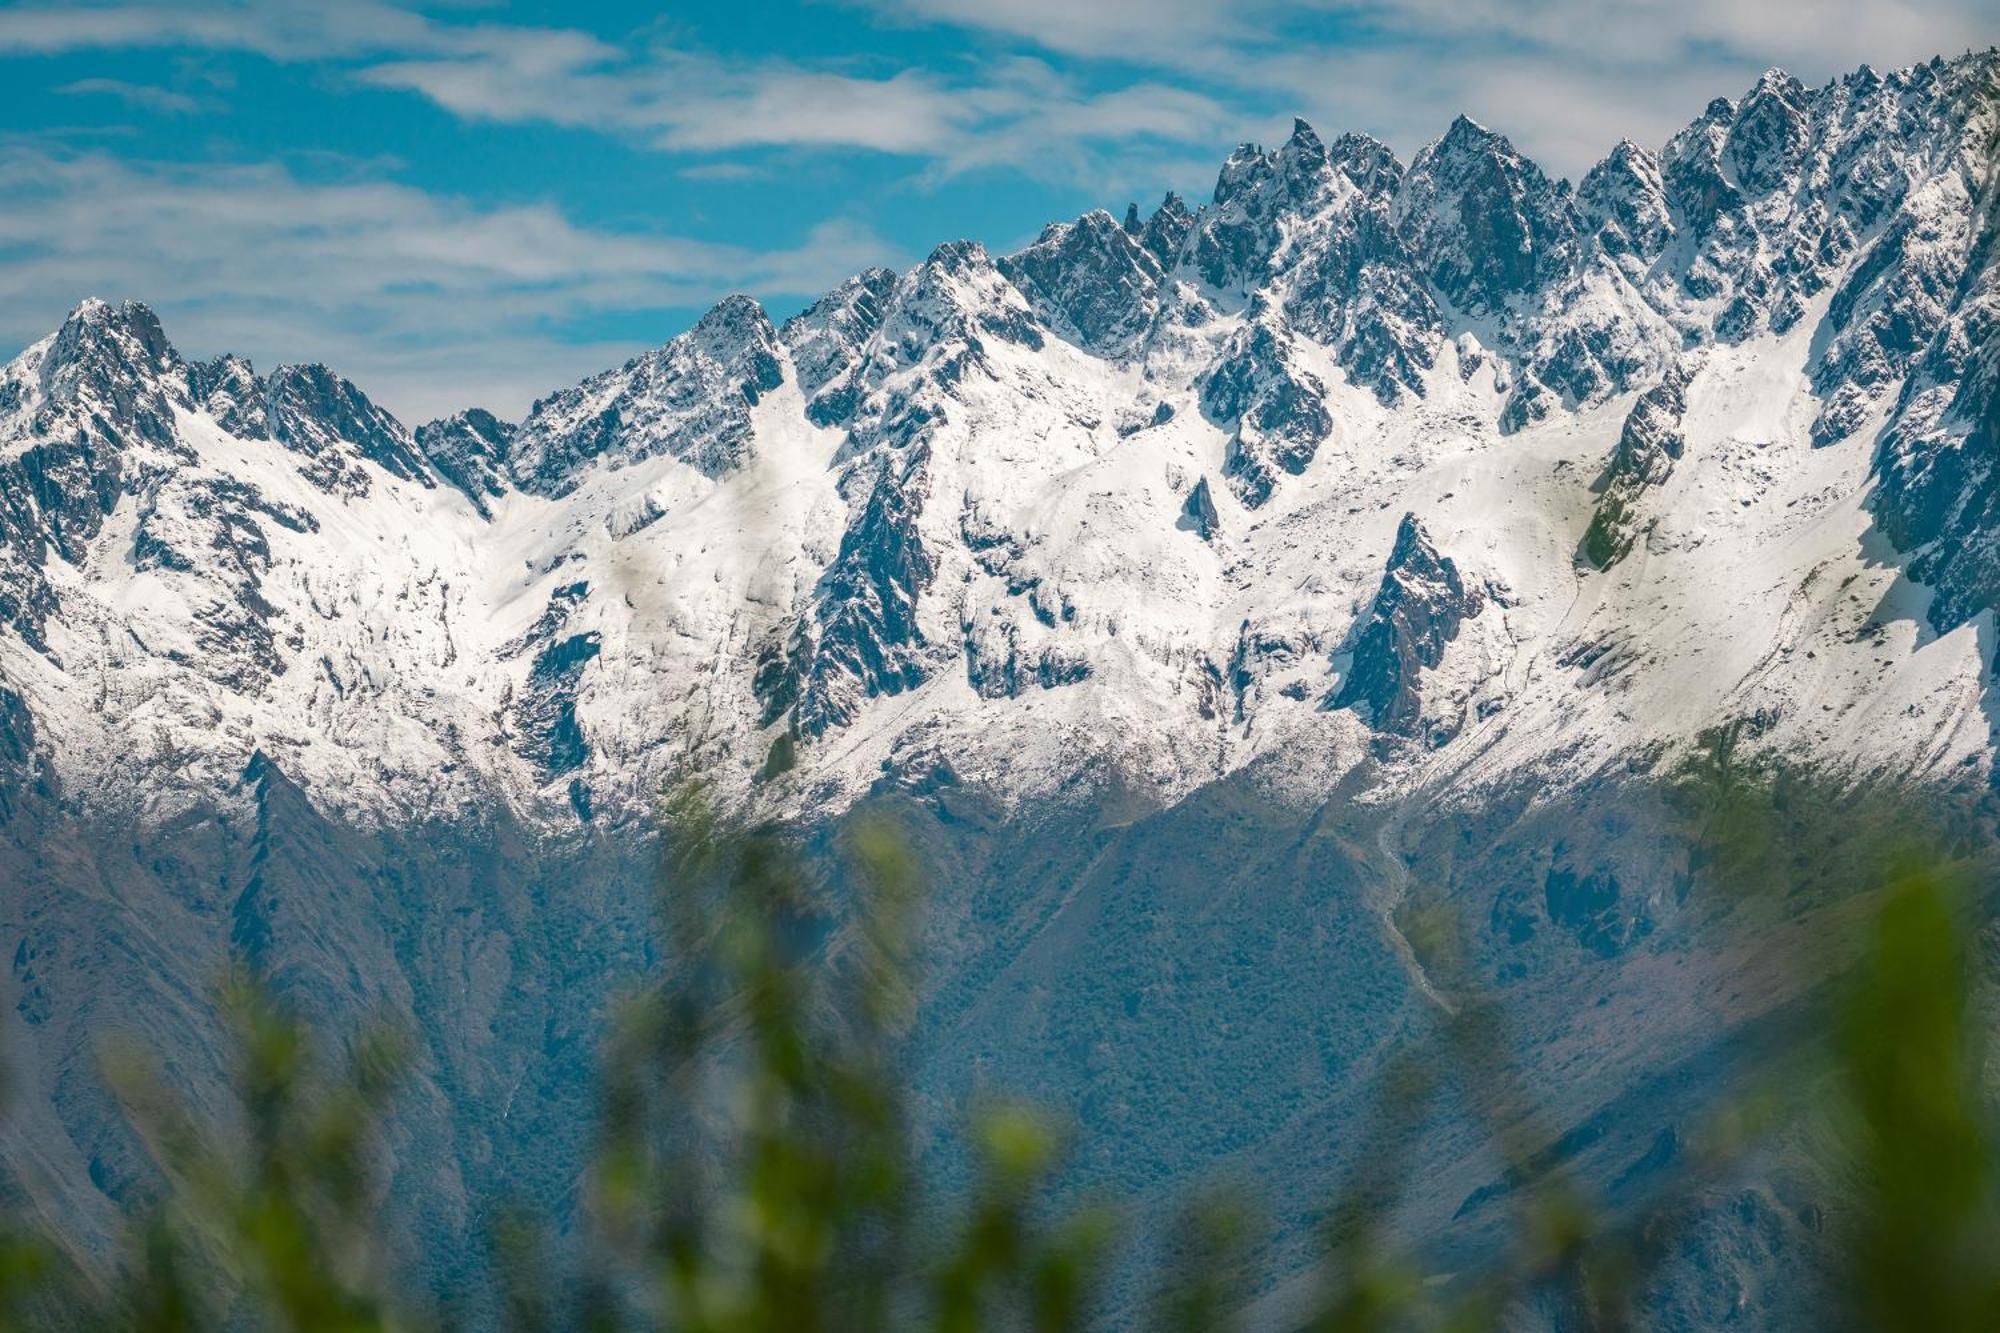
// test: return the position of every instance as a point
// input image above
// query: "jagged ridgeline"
(1160, 574)
(1146, 471)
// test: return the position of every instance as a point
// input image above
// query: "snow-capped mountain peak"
(1131, 498)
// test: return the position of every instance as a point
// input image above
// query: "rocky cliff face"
(1418, 610)
(1362, 483)
(690, 401)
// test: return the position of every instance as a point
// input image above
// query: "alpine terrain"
(1195, 586)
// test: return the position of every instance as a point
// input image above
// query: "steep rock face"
(1418, 610)
(23, 772)
(315, 412)
(227, 388)
(1939, 463)
(548, 710)
(690, 400)
(1648, 445)
(1782, 190)
(865, 639)
(1355, 287)
(469, 450)
(1163, 233)
(937, 323)
(1930, 308)
(1274, 410)
(1483, 223)
(108, 377)
(1235, 244)
(859, 636)
(828, 338)
(1312, 229)
(1889, 308)
(1623, 200)
(1198, 513)
(210, 536)
(1000, 665)
(1091, 281)
(74, 411)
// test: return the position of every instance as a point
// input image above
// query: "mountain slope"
(1362, 489)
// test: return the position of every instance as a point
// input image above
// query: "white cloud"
(1819, 35)
(1116, 29)
(688, 103)
(420, 298)
(291, 30)
(141, 96)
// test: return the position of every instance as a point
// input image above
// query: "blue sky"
(462, 202)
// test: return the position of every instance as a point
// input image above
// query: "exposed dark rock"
(1530, 402)
(469, 450)
(1483, 223)
(1368, 163)
(1166, 231)
(546, 709)
(866, 640)
(1767, 134)
(1624, 199)
(24, 773)
(1275, 411)
(229, 391)
(829, 337)
(1355, 287)
(1648, 446)
(1090, 281)
(314, 412)
(1885, 313)
(690, 399)
(1938, 496)
(105, 386)
(1198, 512)
(999, 666)
(1418, 610)
(110, 377)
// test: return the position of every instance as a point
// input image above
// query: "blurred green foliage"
(756, 1166)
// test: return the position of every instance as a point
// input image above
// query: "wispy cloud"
(1823, 34)
(1007, 112)
(689, 103)
(1012, 112)
(402, 288)
(143, 96)
(1567, 78)
(1126, 30)
(291, 30)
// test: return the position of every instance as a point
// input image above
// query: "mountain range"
(1191, 584)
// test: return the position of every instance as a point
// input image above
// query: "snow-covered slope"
(1446, 468)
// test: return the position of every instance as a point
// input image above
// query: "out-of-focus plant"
(271, 1220)
(1206, 1265)
(757, 1167)
(1922, 1236)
